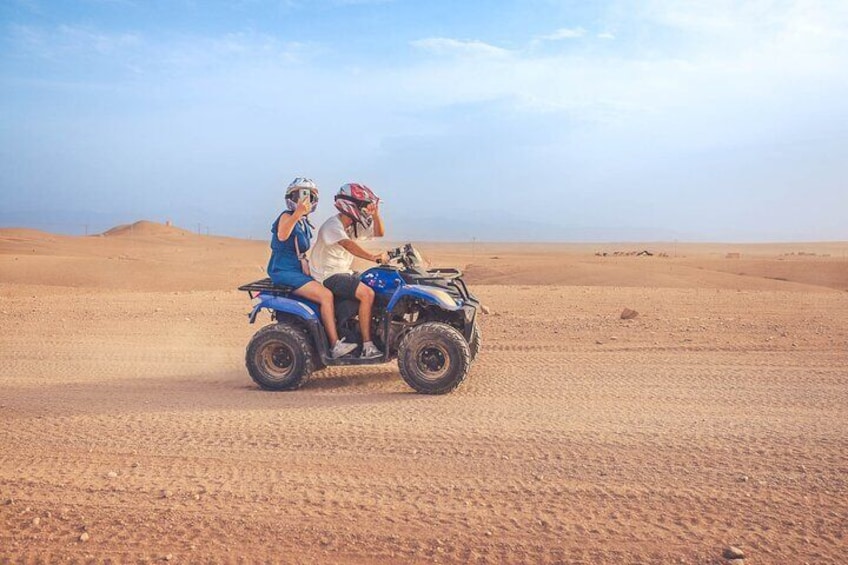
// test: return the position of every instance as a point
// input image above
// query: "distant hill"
(21, 234)
(147, 228)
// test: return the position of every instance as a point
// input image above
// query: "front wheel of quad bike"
(279, 357)
(433, 358)
(475, 343)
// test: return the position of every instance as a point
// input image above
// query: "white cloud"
(727, 56)
(447, 46)
(78, 45)
(68, 40)
(564, 33)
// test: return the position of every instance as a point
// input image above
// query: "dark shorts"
(342, 285)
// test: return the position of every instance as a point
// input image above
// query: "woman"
(290, 238)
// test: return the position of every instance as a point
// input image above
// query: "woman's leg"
(365, 295)
(316, 292)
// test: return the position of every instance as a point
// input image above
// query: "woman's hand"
(304, 206)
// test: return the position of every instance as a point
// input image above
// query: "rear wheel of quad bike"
(433, 358)
(279, 357)
(474, 344)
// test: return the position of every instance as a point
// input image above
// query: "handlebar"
(405, 255)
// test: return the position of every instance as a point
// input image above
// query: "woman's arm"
(288, 221)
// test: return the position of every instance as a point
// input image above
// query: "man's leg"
(366, 304)
(365, 295)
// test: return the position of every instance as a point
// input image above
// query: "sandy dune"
(718, 417)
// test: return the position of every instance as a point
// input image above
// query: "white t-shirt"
(328, 256)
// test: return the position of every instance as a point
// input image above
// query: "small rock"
(36, 521)
(628, 314)
(598, 342)
(84, 536)
(743, 479)
(731, 552)
(613, 338)
(488, 533)
(112, 475)
(169, 557)
(166, 494)
(483, 308)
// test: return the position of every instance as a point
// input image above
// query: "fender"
(294, 307)
(430, 294)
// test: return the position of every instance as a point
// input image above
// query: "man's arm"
(379, 230)
(358, 251)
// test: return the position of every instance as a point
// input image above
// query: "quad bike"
(427, 319)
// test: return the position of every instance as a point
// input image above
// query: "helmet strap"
(359, 202)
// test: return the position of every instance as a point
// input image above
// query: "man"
(337, 244)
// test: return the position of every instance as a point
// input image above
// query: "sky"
(524, 120)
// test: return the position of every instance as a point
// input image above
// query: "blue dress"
(284, 266)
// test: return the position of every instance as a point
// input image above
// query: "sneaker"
(340, 349)
(370, 351)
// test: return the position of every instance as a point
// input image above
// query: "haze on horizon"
(502, 121)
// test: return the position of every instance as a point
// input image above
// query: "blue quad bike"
(427, 319)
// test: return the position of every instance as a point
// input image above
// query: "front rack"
(445, 273)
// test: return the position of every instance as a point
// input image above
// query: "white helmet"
(295, 191)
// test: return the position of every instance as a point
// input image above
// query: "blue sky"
(502, 120)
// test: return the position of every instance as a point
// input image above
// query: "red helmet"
(352, 200)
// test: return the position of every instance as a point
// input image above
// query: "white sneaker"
(370, 351)
(340, 349)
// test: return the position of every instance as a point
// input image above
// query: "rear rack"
(265, 286)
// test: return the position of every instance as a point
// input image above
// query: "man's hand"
(382, 258)
(373, 208)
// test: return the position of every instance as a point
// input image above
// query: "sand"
(718, 417)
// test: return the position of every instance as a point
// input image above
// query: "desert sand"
(717, 417)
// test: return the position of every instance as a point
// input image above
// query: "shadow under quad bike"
(427, 319)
